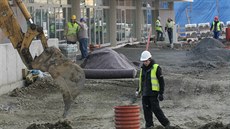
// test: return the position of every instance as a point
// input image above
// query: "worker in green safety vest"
(71, 30)
(159, 30)
(52, 30)
(216, 27)
(151, 88)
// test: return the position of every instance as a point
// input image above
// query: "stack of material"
(223, 28)
(105, 63)
(204, 30)
(228, 24)
(191, 30)
(69, 50)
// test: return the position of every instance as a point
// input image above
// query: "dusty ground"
(197, 93)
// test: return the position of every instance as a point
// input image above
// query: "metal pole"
(217, 8)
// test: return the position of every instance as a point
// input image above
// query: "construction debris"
(58, 125)
(210, 49)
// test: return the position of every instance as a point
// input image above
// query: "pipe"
(127, 117)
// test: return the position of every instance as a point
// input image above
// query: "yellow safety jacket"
(217, 27)
(154, 80)
(72, 28)
(169, 24)
(158, 25)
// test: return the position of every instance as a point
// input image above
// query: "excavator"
(67, 75)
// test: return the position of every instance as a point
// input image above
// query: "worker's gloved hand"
(160, 97)
(137, 94)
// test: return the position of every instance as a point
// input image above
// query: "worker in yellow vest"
(71, 30)
(169, 28)
(216, 27)
(52, 30)
(159, 29)
(151, 88)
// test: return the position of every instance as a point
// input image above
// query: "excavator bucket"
(68, 76)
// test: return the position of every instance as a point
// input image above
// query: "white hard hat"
(145, 55)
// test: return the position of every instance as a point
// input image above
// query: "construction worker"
(70, 30)
(216, 27)
(169, 28)
(52, 30)
(151, 88)
(159, 29)
(83, 38)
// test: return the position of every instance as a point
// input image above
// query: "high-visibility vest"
(158, 25)
(154, 80)
(169, 24)
(72, 28)
(217, 27)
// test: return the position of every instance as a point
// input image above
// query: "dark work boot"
(168, 126)
(151, 127)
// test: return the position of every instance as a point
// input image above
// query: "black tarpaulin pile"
(105, 63)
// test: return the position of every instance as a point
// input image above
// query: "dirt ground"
(197, 95)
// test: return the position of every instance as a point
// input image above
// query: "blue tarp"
(201, 11)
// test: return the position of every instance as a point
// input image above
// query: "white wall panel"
(11, 64)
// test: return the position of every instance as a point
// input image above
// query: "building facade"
(110, 21)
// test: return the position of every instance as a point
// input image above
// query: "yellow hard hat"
(74, 17)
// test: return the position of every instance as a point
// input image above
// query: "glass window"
(40, 1)
(98, 2)
(130, 3)
(164, 5)
(125, 24)
(88, 2)
(106, 25)
(121, 2)
(147, 3)
(126, 2)
(106, 2)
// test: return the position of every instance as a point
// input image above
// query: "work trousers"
(216, 34)
(159, 35)
(151, 105)
(170, 34)
(83, 44)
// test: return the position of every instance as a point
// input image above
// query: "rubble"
(210, 49)
(58, 125)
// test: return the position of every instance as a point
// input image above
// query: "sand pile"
(210, 49)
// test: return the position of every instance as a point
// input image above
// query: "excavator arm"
(68, 76)
(11, 28)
